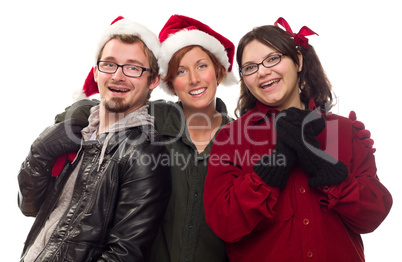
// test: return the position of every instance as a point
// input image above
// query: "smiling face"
(276, 86)
(195, 82)
(120, 93)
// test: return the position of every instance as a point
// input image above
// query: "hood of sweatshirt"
(137, 118)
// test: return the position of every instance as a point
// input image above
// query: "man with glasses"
(108, 203)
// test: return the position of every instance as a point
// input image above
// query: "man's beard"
(116, 105)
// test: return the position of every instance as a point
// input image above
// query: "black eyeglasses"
(268, 62)
(128, 70)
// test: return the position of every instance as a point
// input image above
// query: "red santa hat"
(181, 31)
(119, 26)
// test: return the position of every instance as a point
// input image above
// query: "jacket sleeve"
(33, 184)
(144, 192)
(235, 201)
(78, 110)
(361, 200)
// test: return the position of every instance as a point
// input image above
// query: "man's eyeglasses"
(128, 70)
(268, 62)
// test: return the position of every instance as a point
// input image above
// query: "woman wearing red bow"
(289, 180)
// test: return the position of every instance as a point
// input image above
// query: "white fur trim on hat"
(125, 26)
(184, 38)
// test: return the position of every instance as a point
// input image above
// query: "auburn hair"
(174, 64)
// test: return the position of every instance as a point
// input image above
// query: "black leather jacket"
(115, 210)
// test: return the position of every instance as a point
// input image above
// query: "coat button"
(325, 188)
(309, 254)
(306, 222)
(302, 190)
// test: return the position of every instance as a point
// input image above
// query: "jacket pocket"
(83, 251)
(282, 211)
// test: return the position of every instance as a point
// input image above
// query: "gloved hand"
(362, 134)
(274, 168)
(298, 129)
(54, 141)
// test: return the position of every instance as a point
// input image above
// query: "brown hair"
(174, 64)
(313, 82)
(153, 62)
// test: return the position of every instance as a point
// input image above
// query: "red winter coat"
(297, 223)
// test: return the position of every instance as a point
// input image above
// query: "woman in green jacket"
(193, 61)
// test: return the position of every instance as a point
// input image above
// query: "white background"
(47, 50)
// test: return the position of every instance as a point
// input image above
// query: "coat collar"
(108, 140)
(260, 110)
(175, 121)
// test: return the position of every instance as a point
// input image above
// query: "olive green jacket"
(184, 234)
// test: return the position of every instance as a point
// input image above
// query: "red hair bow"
(299, 38)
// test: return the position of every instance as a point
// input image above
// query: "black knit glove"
(274, 169)
(54, 141)
(298, 129)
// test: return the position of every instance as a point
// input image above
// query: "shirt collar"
(175, 121)
(260, 110)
